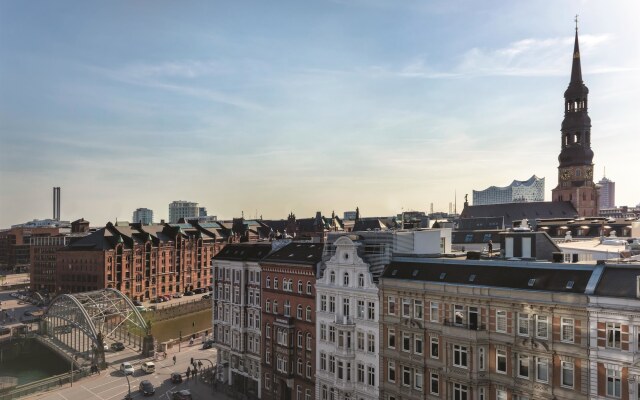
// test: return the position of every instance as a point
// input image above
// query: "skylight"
(472, 277)
(415, 272)
(394, 272)
(570, 285)
(532, 282)
(443, 275)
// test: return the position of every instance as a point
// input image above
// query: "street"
(112, 384)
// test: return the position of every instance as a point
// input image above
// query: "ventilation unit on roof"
(532, 282)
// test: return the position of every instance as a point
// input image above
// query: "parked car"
(160, 299)
(153, 301)
(137, 303)
(146, 388)
(183, 394)
(207, 345)
(166, 298)
(210, 288)
(117, 346)
(126, 368)
(176, 377)
(189, 293)
(206, 297)
(177, 295)
(148, 367)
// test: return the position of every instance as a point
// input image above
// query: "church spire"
(576, 70)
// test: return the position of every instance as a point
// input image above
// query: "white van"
(148, 367)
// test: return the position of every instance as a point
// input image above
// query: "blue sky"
(271, 107)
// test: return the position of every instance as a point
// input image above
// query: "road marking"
(60, 394)
(95, 394)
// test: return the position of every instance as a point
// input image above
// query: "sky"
(263, 108)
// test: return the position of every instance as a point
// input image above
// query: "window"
(323, 331)
(406, 341)
(267, 356)
(287, 308)
(323, 361)
(309, 371)
(267, 306)
(332, 304)
(481, 394)
(391, 305)
(275, 283)
(566, 379)
(309, 341)
(542, 326)
(360, 309)
(308, 287)
(371, 372)
(501, 394)
(501, 321)
(268, 283)
(501, 361)
(435, 346)
(391, 338)
(299, 366)
(566, 330)
(268, 331)
(391, 372)
(417, 380)
(299, 311)
(300, 339)
(345, 307)
(308, 313)
(360, 373)
(406, 308)
(435, 384)
(371, 342)
(406, 376)
(482, 361)
(523, 324)
(361, 280)
(371, 308)
(460, 356)
(323, 302)
(360, 340)
(458, 314)
(340, 369)
(418, 309)
(417, 344)
(433, 310)
(332, 364)
(307, 394)
(460, 392)
(523, 366)
(299, 286)
(332, 334)
(542, 369)
(613, 383)
(613, 335)
(345, 279)
(332, 277)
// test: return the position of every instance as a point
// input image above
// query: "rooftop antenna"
(455, 201)
(576, 19)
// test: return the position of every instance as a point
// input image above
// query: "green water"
(188, 324)
(29, 361)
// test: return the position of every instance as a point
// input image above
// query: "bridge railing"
(43, 384)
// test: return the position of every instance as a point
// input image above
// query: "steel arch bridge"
(83, 324)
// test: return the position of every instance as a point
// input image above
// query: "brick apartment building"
(142, 261)
(15, 251)
(289, 321)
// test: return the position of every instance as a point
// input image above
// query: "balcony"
(343, 320)
(470, 331)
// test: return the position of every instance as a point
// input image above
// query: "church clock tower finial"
(575, 172)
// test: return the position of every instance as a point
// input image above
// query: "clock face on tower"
(565, 174)
(589, 173)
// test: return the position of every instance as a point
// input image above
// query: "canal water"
(188, 324)
(29, 360)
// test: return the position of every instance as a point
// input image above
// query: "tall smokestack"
(56, 203)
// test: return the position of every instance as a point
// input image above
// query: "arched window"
(309, 341)
(275, 283)
(287, 308)
(299, 312)
(332, 277)
(291, 285)
(361, 280)
(308, 369)
(308, 313)
(299, 339)
(299, 366)
(308, 287)
(324, 392)
(275, 307)
(345, 279)
(268, 282)
(299, 286)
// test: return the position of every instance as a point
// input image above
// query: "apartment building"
(289, 321)
(499, 330)
(347, 327)
(237, 316)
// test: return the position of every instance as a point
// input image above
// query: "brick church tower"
(575, 172)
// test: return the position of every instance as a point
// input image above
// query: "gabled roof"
(297, 253)
(546, 277)
(517, 211)
(244, 252)
(370, 225)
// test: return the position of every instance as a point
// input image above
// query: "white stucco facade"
(347, 328)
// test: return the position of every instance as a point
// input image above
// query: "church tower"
(575, 172)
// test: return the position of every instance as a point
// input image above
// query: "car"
(176, 377)
(153, 301)
(106, 347)
(126, 368)
(183, 394)
(206, 297)
(210, 288)
(137, 303)
(189, 293)
(117, 346)
(141, 308)
(146, 388)
(177, 295)
(160, 299)
(166, 298)
(148, 367)
(207, 345)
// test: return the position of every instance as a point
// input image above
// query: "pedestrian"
(188, 373)
(174, 360)
(490, 246)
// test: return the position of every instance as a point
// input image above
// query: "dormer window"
(472, 277)
(531, 282)
(570, 285)
(443, 275)
(332, 277)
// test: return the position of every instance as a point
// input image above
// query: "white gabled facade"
(347, 327)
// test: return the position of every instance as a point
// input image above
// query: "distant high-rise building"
(143, 215)
(56, 203)
(531, 190)
(202, 212)
(183, 209)
(606, 193)
(349, 215)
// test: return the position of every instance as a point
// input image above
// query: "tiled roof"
(244, 252)
(546, 277)
(517, 211)
(298, 253)
(618, 282)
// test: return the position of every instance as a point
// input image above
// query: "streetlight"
(128, 396)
